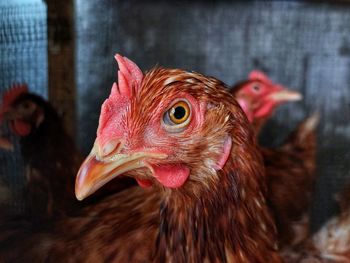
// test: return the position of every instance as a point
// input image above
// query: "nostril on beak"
(110, 147)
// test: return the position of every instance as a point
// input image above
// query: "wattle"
(21, 128)
(144, 183)
(171, 175)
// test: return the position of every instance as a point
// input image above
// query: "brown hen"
(184, 135)
(330, 244)
(290, 169)
(50, 155)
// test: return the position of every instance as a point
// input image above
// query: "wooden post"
(60, 27)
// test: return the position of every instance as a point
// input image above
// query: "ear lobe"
(39, 119)
(226, 150)
(245, 107)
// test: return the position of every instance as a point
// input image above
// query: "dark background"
(302, 44)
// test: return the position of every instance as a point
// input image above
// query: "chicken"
(290, 173)
(186, 141)
(330, 244)
(332, 241)
(49, 153)
(51, 157)
(343, 198)
(259, 96)
(290, 169)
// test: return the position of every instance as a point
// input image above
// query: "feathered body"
(290, 168)
(290, 173)
(330, 244)
(52, 161)
(206, 202)
(343, 198)
(49, 153)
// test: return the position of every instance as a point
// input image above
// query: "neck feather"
(229, 222)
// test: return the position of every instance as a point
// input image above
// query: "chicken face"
(22, 112)
(163, 128)
(259, 96)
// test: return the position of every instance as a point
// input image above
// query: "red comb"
(129, 82)
(259, 75)
(12, 94)
(129, 77)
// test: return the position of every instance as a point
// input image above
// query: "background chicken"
(290, 169)
(343, 198)
(332, 241)
(51, 157)
(290, 172)
(330, 244)
(49, 153)
(206, 203)
(259, 96)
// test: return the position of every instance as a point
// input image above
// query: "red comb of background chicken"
(259, 75)
(10, 96)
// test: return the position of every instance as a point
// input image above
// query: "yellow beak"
(286, 95)
(96, 172)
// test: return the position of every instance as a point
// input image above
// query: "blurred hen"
(330, 244)
(49, 153)
(51, 157)
(290, 168)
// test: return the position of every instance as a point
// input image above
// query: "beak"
(96, 171)
(285, 95)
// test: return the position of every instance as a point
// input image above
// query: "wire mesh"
(23, 59)
(303, 45)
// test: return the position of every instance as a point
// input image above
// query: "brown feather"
(290, 173)
(216, 216)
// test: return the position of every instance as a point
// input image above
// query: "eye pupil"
(179, 112)
(178, 115)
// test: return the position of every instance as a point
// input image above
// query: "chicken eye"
(256, 87)
(178, 115)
